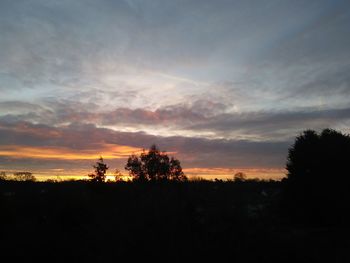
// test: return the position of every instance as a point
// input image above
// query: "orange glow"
(228, 173)
(59, 174)
(107, 151)
(206, 173)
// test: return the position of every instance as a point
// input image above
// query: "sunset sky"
(225, 86)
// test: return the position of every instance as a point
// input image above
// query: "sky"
(224, 86)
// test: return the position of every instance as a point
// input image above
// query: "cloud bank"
(223, 84)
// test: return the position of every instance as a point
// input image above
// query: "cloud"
(272, 125)
(225, 78)
(82, 140)
(87, 139)
(280, 54)
(330, 79)
(199, 118)
(64, 153)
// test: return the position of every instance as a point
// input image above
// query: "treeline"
(303, 218)
(316, 188)
(153, 165)
(17, 176)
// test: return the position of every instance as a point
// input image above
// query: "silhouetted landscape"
(303, 218)
(175, 131)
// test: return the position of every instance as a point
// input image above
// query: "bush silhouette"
(3, 176)
(24, 176)
(154, 166)
(317, 181)
(118, 176)
(100, 171)
(239, 177)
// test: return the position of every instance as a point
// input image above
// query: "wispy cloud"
(64, 153)
(220, 82)
(83, 140)
(201, 118)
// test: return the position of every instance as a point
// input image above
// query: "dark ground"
(223, 221)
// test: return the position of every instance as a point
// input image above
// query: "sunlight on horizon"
(107, 151)
(224, 85)
(192, 173)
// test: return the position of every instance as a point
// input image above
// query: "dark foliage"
(239, 177)
(154, 166)
(3, 176)
(318, 183)
(238, 220)
(100, 171)
(118, 176)
(168, 221)
(24, 176)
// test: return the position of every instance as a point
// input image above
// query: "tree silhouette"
(134, 166)
(118, 175)
(154, 166)
(317, 181)
(239, 177)
(3, 176)
(24, 176)
(100, 171)
(176, 172)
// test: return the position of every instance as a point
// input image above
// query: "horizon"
(192, 174)
(223, 86)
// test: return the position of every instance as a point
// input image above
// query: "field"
(225, 221)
